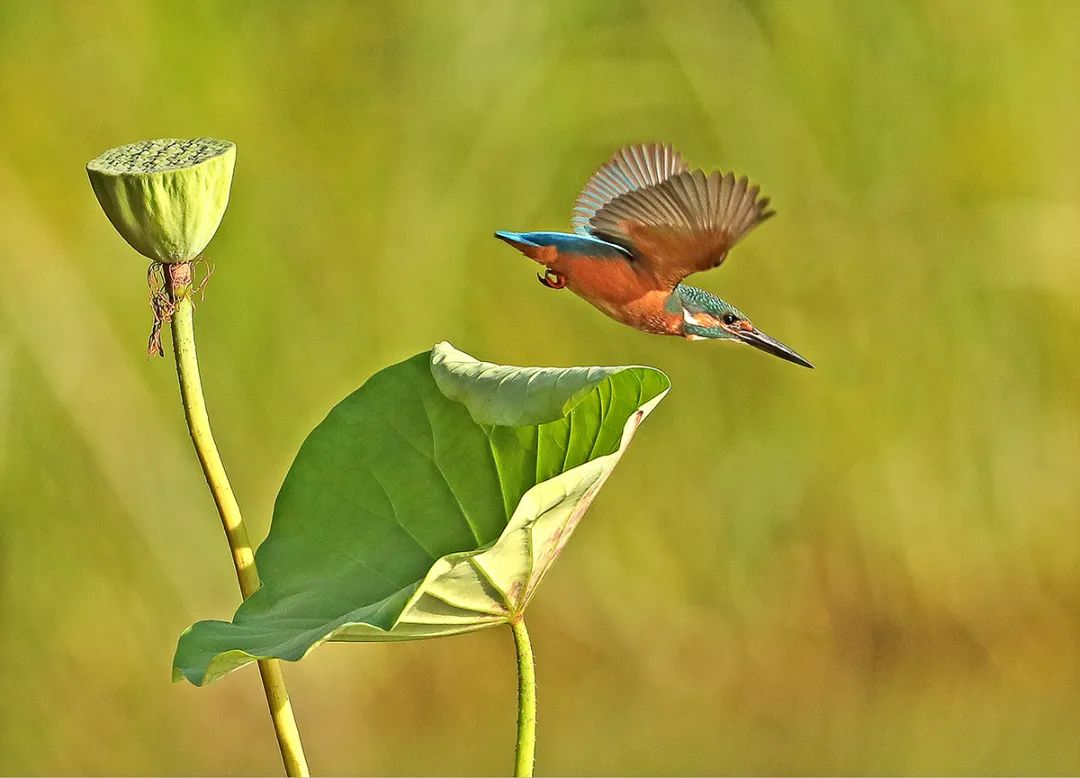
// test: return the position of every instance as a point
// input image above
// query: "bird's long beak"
(758, 339)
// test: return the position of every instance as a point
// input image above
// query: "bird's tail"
(515, 239)
(528, 247)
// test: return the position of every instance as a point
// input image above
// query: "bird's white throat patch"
(688, 318)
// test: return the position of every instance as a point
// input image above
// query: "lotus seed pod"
(165, 196)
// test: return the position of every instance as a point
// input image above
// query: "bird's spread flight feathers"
(632, 167)
(646, 209)
(684, 224)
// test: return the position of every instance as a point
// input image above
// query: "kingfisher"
(643, 223)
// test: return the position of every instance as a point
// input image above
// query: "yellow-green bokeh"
(873, 567)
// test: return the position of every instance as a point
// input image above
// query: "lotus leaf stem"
(526, 739)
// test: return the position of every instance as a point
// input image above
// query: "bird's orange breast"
(621, 291)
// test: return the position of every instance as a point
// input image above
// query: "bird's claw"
(551, 280)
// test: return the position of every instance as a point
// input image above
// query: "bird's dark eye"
(730, 318)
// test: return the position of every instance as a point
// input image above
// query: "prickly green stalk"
(526, 738)
(179, 286)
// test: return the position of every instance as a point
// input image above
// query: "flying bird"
(643, 223)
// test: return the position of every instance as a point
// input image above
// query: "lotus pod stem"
(179, 287)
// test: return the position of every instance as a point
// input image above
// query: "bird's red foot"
(552, 280)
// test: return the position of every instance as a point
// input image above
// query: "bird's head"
(707, 317)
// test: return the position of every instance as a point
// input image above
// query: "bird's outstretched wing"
(683, 224)
(632, 167)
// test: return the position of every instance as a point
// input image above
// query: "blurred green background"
(873, 567)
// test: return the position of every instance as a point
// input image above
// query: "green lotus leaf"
(431, 501)
(166, 197)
